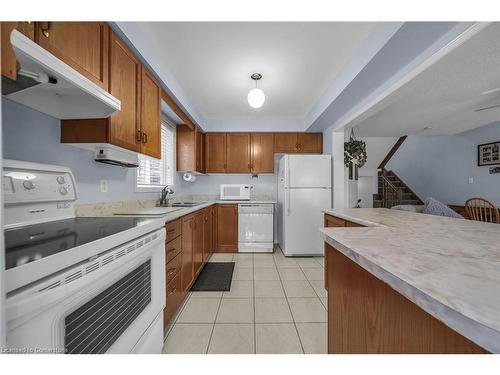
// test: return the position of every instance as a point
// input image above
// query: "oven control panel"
(25, 182)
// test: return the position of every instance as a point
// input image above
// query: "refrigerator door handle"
(288, 202)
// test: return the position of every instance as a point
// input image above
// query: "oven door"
(111, 304)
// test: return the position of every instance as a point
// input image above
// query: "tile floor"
(276, 305)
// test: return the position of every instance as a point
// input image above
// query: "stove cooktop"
(34, 242)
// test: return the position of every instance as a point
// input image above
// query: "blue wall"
(33, 136)
(210, 184)
(440, 166)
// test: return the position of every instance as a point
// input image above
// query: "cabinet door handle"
(138, 137)
(144, 137)
(170, 231)
(45, 27)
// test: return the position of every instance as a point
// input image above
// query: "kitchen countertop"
(183, 211)
(448, 267)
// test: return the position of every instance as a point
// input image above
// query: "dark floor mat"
(215, 277)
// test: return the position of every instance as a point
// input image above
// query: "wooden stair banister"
(391, 195)
(392, 151)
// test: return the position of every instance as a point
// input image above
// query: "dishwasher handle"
(247, 209)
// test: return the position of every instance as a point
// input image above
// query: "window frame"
(158, 188)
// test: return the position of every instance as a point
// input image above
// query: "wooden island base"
(365, 315)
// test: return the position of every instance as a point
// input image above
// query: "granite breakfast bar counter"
(411, 283)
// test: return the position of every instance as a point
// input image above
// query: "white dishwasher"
(255, 228)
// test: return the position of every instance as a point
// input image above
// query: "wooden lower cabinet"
(187, 251)
(198, 245)
(333, 221)
(189, 245)
(173, 270)
(175, 296)
(367, 316)
(227, 228)
(208, 232)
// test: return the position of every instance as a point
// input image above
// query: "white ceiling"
(445, 96)
(212, 62)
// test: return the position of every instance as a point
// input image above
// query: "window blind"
(158, 172)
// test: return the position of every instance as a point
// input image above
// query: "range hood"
(108, 154)
(47, 84)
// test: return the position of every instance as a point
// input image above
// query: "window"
(153, 174)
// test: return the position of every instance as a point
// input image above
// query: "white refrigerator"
(304, 189)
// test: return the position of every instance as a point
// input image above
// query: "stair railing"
(391, 195)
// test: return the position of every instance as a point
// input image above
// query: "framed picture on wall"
(488, 154)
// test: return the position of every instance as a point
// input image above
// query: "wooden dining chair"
(480, 209)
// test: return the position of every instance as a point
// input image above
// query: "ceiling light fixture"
(256, 97)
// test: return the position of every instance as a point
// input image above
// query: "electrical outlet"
(471, 180)
(103, 186)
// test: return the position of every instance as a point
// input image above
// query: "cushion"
(435, 207)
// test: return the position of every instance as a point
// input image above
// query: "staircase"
(392, 191)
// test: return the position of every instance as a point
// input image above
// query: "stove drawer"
(174, 247)
(175, 295)
(174, 229)
(173, 267)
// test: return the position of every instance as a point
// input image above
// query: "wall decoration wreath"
(354, 151)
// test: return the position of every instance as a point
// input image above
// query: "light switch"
(103, 186)
(471, 180)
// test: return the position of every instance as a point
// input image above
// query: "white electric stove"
(77, 284)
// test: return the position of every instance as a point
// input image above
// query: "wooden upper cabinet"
(285, 143)
(81, 45)
(238, 153)
(9, 61)
(186, 148)
(290, 143)
(200, 151)
(227, 228)
(124, 84)
(262, 152)
(190, 149)
(310, 143)
(150, 115)
(215, 152)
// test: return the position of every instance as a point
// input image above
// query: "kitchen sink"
(149, 211)
(187, 204)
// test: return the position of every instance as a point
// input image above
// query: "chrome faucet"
(164, 194)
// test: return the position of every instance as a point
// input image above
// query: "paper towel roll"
(189, 177)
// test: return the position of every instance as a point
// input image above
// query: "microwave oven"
(235, 192)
